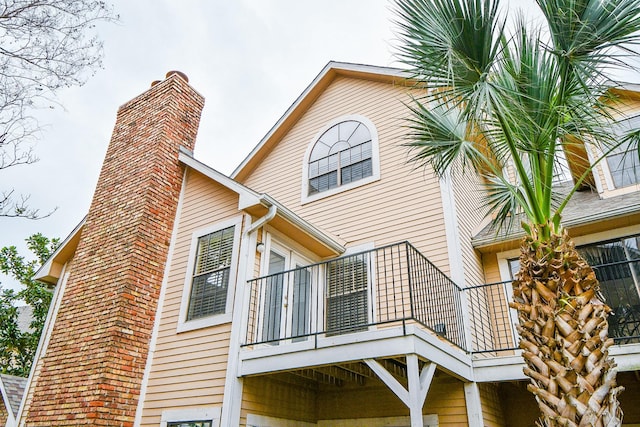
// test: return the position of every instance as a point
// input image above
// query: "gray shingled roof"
(14, 388)
(585, 207)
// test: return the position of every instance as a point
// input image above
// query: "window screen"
(211, 274)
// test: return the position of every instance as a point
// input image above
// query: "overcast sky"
(249, 58)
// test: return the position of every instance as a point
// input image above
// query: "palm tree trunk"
(564, 335)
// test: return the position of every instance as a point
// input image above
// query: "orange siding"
(491, 408)
(189, 368)
(470, 213)
(275, 398)
(405, 204)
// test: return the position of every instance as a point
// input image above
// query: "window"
(286, 294)
(189, 424)
(211, 274)
(191, 417)
(623, 161)
(617, 267)
(347, 294)
(344, 155)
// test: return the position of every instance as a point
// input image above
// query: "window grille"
(343, 154)
(623, 161)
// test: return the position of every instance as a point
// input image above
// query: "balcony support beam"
(419, 383)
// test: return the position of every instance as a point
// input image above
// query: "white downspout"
(263, 220)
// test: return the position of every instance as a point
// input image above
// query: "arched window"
(343, 156)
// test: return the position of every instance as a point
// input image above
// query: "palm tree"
(507, 104)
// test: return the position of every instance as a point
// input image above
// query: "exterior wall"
(518, 405)
(630, 397)
(94, 362)
(405, 204)
(491, 408)
(468, 191)
(445, 398)
(279, 399)
(188, 369)
(276, 398)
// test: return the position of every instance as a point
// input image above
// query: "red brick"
(97, 353)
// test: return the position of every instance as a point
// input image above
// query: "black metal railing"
(394, 284)
(397, 285)
(492, 322)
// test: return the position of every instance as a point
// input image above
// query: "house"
(326, 282)
(11, 392)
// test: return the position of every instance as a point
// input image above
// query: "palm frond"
(438, 137)
(449, 44)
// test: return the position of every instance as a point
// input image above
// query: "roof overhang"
(258, 205)
(591, 222)
(51, 270)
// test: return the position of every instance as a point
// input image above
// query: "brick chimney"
(92, 371)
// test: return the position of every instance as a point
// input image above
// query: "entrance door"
(287, 308)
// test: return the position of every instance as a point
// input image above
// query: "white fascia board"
(45, 268)
(308, 228)
(355, 347)
(632, 87)
(504, 368)
(248, 197)
(331, 66)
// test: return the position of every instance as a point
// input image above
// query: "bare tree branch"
(45, 45)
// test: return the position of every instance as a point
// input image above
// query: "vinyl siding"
(470, 213)
(519, 406)
(273, 397)
(495, 299)
(491, 408)
(445, 398)
(405, 204)
(189, 368)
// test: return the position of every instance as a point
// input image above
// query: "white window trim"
(618, 233)
(375, 160)
(210, 413)
(217, 319)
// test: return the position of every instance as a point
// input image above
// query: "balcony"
(371, 301)
(390, 286)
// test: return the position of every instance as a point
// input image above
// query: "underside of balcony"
(385, 343)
